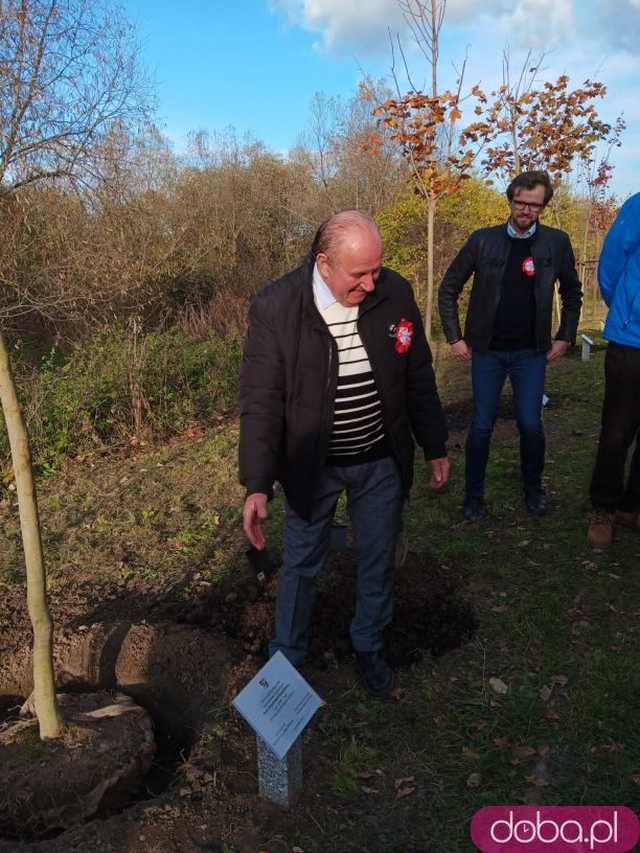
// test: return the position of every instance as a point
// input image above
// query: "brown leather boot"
(600, 533)
(627, 519)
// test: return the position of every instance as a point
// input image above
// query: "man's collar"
(321, 291)
(516, 235)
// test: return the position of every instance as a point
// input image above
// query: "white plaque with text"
(278, 703)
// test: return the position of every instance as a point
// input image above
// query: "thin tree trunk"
(583, 259)
(435, 47)
(135, 369)
(514, 137)
(598, 304)
(49, 717)
(431, 214)
(556, 295)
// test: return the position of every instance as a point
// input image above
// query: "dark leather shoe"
(600, 533)
(376, 676)
(536, 501)
(474, 509)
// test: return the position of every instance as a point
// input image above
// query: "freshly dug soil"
(430, 612)
(106, 748)
(172, 670)
(199, 646)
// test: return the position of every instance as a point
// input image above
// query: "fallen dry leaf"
(545, 693)
(525, 751)
(366, 790)
(365, 774)
(401, 793)
(470, 754)
(399, 783)
(498, 685)
(474, 780)
(502, 741)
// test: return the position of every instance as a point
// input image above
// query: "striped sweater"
(358, 431)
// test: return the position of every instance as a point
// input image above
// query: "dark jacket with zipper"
(485, 255)
(288, 383)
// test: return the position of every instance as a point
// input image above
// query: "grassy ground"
(558, 628)
(154, 516)
(540, 707)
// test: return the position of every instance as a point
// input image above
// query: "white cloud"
(539, 23)
(345, 24)
(363, 24)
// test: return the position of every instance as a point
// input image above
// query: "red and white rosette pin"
(528, 267)
(404, 335)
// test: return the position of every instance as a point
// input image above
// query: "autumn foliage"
(552, 127)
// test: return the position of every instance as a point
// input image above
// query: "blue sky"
(219, 64)
(255, 64)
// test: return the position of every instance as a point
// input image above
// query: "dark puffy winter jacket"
(485, 255)
(288, 383)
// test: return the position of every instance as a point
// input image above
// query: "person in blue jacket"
(613, 500)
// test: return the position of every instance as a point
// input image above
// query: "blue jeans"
(489, 370)
(374, 503)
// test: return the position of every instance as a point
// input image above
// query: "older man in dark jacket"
(508, 329)
(336, 383)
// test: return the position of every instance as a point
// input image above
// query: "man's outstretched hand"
(558, 350)
(253, 514)
(439, 472)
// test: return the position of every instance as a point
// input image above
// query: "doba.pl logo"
(570, 829)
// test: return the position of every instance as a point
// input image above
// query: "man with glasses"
(507, 331)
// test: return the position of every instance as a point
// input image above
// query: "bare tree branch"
(68, 70)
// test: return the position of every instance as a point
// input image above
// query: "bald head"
(342, 226)
(348, 253)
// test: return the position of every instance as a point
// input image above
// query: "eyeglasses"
(534, 207)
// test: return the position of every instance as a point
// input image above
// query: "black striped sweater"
(358, 431)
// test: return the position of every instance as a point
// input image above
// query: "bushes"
(123, 384)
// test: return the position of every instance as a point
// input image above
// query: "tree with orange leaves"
(440, 156)
(547, 128)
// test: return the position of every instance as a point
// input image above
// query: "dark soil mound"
(430, 613)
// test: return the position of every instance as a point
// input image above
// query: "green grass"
(87, 397)
(559, 625)
(156, 517)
